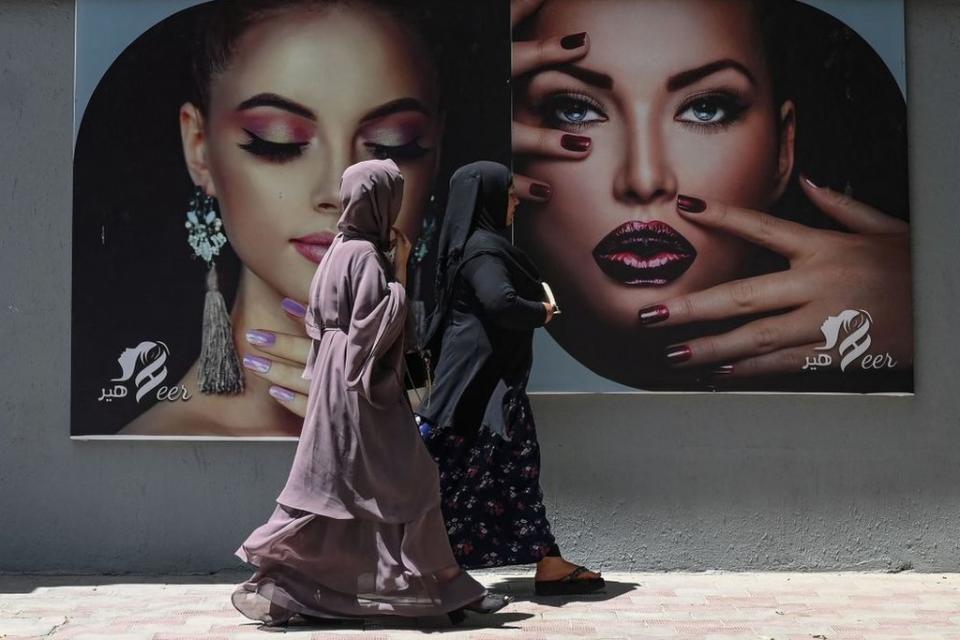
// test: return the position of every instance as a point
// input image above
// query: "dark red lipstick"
(644, 254)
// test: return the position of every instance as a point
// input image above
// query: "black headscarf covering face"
(473, 224)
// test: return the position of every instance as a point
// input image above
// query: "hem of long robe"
(349, 568)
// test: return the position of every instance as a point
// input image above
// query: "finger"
(522, 9)
(289, 347)
(531, 190)
(534, 54)
(853, 214)
(779, 235)
(771, 292)
(549, 143)
(295, 402)
(285, 375)
(293, 308)
(752, 339)
(781, 362)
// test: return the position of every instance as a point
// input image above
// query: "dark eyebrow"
(686, 78)
(589, 76)
(395, 106)
(279, 102)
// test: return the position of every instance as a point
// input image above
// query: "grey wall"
(653, 482)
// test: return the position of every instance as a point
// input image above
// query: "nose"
(325, 193)
(646, 175)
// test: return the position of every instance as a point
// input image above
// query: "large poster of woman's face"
(715, 190)
(210, 141)
(717, 193)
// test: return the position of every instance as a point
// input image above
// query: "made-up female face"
(677, 99)
(306, 94)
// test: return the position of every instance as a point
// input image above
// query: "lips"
(644, 254)
(313, 246)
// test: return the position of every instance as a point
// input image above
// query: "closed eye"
(272, 151)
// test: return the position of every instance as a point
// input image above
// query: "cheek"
(736, 166)
(249, 196)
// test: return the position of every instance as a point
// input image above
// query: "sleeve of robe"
(374, 357)
(490, 280)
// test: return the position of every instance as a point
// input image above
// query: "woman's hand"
(403, 247)
(865, 269)
(528, 56)
(551, 311)
(288, 355)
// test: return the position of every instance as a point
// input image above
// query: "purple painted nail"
(261, 338)
(293, 307)
(256, 363)
(281, 393)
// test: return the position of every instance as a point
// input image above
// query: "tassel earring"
(219, 371)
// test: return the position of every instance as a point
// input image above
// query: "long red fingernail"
(574, 40)
(809, 181)
(691, 204)
(678, 353)
(571, 142)
(654, 314)
(723, 370)
(540, 190)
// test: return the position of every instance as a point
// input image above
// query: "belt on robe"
(316, 332)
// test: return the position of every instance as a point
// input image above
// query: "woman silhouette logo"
(151, 358)
(855, 324)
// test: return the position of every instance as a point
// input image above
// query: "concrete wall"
(655, 482)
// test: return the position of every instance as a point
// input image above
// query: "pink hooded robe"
(357, 530)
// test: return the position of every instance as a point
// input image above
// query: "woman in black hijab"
(477, 421)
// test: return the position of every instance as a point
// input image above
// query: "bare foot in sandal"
(556, 576)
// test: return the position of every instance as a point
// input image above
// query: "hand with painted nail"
(860, 276)
(279, 358)
(528, 57)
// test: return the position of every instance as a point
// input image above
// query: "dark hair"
(851, 114)
(226, 21)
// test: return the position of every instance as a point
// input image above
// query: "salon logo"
(143, 367)
(849, 333)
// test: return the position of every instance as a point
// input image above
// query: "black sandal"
(490, 603)
(569, 585)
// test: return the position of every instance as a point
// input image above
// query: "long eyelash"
(550, 103)
(731, 102)
(272, 151)
(410, 151)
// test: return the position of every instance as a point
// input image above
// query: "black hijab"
(473, 225)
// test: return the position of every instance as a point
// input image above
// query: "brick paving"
(781, 606)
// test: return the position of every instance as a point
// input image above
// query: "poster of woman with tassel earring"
(210, 138)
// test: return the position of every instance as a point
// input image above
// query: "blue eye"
(711, 110)
(572, 112)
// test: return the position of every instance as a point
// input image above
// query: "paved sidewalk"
(636, 605)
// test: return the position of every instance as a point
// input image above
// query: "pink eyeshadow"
(274, 129)
(395, 130)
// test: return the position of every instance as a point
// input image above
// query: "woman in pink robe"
(357, 531)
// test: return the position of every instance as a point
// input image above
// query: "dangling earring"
(219, 367)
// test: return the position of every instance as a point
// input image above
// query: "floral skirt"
(490, 485)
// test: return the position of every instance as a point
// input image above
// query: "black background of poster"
(134, 276)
